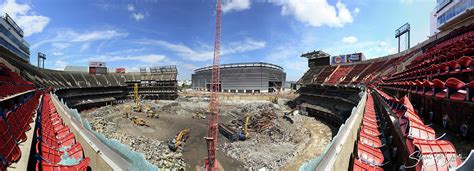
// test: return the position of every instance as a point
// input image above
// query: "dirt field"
(177, 115)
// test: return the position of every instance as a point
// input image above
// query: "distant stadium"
(412, 110)
(257, 77)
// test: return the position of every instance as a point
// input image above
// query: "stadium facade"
(11, 37)
(450, 13)
(252, 77)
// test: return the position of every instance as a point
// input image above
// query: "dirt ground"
(170, 122)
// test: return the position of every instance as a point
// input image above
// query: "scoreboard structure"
(349, 58)
(97, 68)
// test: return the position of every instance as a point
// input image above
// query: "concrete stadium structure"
(252, 77)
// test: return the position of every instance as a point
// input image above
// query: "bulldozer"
(198, 115)
(178, 140)
(138, 121)
(274, 100)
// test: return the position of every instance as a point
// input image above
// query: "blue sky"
(136, 34)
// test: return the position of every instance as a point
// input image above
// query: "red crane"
(211, 139)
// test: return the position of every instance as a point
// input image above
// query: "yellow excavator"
(274, 99)
(244, 134)
(178, 140)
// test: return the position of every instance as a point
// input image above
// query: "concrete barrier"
(338, 153)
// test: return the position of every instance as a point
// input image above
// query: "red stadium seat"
(82, 166)
(362, 166)
(9, 150)
(470, 91)
(454, 85)
(466, 64)
(439, 88)
(428, 88)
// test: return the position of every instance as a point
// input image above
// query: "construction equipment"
(138, 121)
(211, 138)
(178, 140)
(274, 99)
(233, 135)
(198, 115)
(244, 134)
(137, 107)
(287, 116)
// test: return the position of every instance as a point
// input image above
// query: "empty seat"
(439, 87)
(470, 91)
(9, 150)
(466, 64)
(362, 166)
(428, 88)
(82, 166)
(454, 85)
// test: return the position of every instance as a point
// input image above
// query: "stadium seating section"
(420, 139)
(55, 145)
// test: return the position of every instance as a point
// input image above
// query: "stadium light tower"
(405, 28)
(41, 56)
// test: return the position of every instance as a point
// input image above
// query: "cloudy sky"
(143, 33)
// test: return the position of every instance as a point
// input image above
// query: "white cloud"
(205, 53)
(349, 40)
(407, 1)
(57, 53)
(25, 17)
(371, 49)
(130, 7)
(60, 65)
(138, 16)
(65, 38)
(356, 11)
(149, 58)
(84, 47)
(95, 35)
(317, 12)
(235, 5)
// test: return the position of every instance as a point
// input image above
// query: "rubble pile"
(261, 117)
(156, 152)
(273, 141)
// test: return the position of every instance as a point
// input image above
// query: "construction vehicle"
(274, 100)
(233, 135)
(198, 115)
(287, 116)
(178, 140)
(244, 134)
(138, 121)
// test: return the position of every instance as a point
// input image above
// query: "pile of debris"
(273, 140)
(156, 152)
(261, 117)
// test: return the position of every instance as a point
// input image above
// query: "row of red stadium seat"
(55, 143)
(7, 76)
(454, 67)
(453, 88)
(453, 47)
(431, 153)
(13, 127)
(340, 72)
(12, 89)
(369, 146)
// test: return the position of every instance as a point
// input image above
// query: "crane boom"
(211, 139)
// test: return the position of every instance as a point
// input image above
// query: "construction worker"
(445, 121)
(464, 129)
